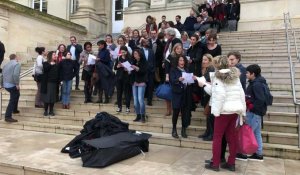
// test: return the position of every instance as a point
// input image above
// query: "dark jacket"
(255, 92)
(67, 70)
(106, 77)
(170, 44)
(104, 56)
(140, 76)
(181, 96)
(243, 76)
(78, 50)
(150, 60)
(179, 26)
(215, 52)
(50, 74)
(232, 11)
(134, 44)
(159, 54)
(195, 53)
(121, 73)
(168, 63)
(189, 23)
(204, 96)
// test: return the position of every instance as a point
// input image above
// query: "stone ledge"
(42, 16)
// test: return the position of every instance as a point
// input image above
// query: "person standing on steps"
(49, 82)
(38, 74)
(88, 60)
(67, 71)
(139, 79)
(123, 83)
(75, 49)
(11, 81)
(181, 96)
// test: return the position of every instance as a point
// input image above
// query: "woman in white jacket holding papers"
(227, 103)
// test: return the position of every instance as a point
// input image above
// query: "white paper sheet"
(127, 66)
(201, 79)
(188, 78)
(91, 59)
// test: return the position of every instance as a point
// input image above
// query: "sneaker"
(241, 157)
(127, 110)
(119, 110)
(256, 157)
(45, 113)
(211, 167)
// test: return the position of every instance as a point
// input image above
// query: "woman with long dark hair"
(181, 96)
(139, 79)
(123, 81)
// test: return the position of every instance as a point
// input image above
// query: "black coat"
(150, 60)
(67, 70)
(159, 54)
(78, 50)
(140, 76)
(196, 53)
(204, 96)
(50, 74)
(106, 79)
(104, 56)
(182, 97)
(215, 52)
(121, 73)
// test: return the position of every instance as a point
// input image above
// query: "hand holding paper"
(188, 78)
(201, 81)
(127, 66)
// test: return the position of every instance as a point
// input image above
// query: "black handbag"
(38, 77)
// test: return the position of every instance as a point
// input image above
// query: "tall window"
(40, 5)
(118, 10)
(74, 6)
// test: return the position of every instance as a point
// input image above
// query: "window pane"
(36, 5)
(118, 15)
(44, 6)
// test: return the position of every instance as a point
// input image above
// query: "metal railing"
(289, 30)
(22, 75)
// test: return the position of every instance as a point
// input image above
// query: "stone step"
(157, 138)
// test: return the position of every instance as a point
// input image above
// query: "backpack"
(268, 95)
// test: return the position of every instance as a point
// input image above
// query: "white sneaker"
(127, 110)
(118, 110)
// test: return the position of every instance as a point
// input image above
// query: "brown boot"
(168, 113)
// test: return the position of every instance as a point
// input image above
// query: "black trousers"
(77, 73)
(87, 90)
(184, 117)
(150, 87)
(123, 86)
(12, 106)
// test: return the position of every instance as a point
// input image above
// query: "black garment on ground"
(105, 151)
(102, 125)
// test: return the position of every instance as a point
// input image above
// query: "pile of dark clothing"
(105, 140)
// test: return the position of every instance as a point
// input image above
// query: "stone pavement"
(41, 151)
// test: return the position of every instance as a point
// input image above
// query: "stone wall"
(267, 14)
(22, 29)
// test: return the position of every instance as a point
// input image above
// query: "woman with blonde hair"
(168, 62)
(186, 42)
(207, 69)
(227, 103)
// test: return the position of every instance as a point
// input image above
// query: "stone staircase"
(266, 48)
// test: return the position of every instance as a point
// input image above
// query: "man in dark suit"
(2, 52)
(150, 57)
(75, 49)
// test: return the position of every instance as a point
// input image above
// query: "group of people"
(138, 63)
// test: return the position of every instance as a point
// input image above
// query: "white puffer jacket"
(227, 94)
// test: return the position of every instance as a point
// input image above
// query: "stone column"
(139, 4)
(86, 6)
(173, 3)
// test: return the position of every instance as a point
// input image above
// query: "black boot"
(106, 99)
(206, 131)
(174, 133)
(183, 132)
(138, 118)
(143, 119)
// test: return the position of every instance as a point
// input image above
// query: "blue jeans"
(254, 121)
(138, 98)
(13, 101)
(66, 91)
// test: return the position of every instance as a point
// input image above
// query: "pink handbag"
(247, 143)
